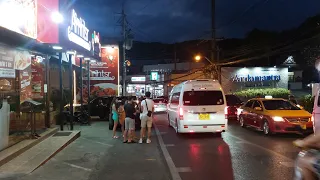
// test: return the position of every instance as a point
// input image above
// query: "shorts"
(129, 124)
(146, 121)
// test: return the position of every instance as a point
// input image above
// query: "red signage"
(104, 75)
(37, 81)
(48, 30)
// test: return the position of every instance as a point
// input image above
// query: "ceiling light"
(57, 47)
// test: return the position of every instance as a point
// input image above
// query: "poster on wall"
(37, 80)
(25, 84)
(104, 75)
(19, 16)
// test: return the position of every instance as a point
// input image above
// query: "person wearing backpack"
(147, 109)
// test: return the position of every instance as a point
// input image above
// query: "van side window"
(175, 98)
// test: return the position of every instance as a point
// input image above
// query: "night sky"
(178, 20)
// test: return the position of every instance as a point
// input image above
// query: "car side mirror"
(258, 109)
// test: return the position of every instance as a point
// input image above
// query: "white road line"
(173, 170)
(96, 142)
(263, 148)
(184, 169)
(78, 167)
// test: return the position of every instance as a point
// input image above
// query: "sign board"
(154, 76)
(7, 73)
(78, 33)
(138, 79)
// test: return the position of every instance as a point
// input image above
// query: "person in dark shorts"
(129, 121)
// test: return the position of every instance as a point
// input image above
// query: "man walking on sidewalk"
(129, 121)
(147, 108)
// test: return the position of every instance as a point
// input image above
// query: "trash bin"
(4, 123)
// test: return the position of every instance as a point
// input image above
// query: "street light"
(198, 58)
(57, 17)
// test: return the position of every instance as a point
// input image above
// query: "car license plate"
(204, 116)
(303, 126)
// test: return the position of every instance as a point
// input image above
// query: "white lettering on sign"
(138, 79)
(78, 32)
(101, 75)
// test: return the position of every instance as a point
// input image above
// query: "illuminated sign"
(19, 16)
(78, 32)
(154, 76)
(250, 78)
(138, 79)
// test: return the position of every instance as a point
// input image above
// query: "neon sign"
(78, 32)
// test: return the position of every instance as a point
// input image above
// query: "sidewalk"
(96, 156)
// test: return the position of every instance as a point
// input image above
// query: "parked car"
(275, 115)
(233, 103)
(160, 105)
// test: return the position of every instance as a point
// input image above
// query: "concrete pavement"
(96, 156)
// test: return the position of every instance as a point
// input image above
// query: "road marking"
(184, 169)
(173, 170)
(76, 166)
(263, 148)
(96, 142)
(169, 145)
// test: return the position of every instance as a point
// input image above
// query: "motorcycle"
(310, 156)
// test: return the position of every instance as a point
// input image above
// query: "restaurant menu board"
(37, 80)
(19, 16)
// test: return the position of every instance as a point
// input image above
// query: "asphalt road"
(239, 153)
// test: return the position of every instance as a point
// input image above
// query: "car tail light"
(181, 113)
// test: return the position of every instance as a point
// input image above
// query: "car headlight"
(278, 119)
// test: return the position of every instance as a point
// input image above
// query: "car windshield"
(204, 98)
(279, 105)
(233, 100)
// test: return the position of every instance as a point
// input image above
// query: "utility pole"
(213, 35)
(124, 34)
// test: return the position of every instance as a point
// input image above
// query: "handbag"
(149, 112)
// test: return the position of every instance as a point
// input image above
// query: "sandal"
(115, 137)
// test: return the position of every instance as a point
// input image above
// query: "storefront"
(39, 62)
(138, 85)
(239, 78)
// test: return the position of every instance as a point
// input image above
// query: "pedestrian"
(147, 107)
(115, 118)
(129, 121)
(122, 115)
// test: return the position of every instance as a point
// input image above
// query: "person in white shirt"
(147, 108)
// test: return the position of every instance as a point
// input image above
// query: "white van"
(197, 106)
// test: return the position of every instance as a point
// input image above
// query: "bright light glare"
(57, 47)
(197, 58)
(277, 118)
(57, 17)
